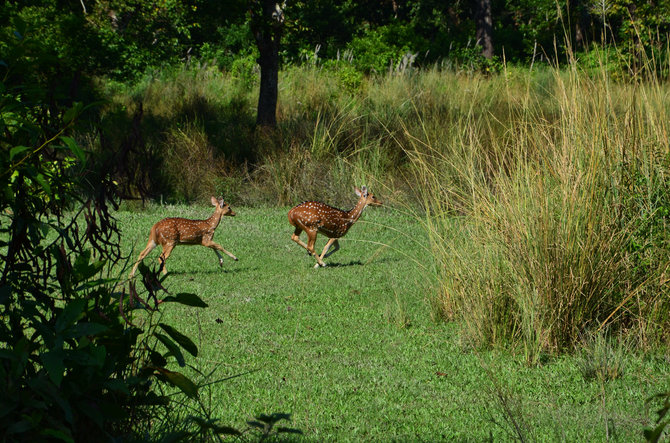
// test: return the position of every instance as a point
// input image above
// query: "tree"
(484, 27)
(267, 26)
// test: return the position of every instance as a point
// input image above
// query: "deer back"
(177, 230)
(324, 218)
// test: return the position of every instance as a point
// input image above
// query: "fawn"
(313, 217)
(171, 232)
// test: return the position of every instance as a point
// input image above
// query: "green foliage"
(125, 38)
(245, 70)
(234, 43)
(118, 38)
(348, 76)
(470, 59)
(598, 60)
(72, 361)
(376, 50)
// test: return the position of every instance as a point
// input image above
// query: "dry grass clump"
(193, 169)
(551, 215)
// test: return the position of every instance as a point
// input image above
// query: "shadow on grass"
(360, 263)
(200, 271)
(342, 265)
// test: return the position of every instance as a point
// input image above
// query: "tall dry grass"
(560, 199)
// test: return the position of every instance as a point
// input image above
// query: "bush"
(72, 361)
(377, 49)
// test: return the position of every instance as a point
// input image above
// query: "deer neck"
(356, 212)
(214, 220)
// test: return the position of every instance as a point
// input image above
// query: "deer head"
(223, 207)
(369, 197)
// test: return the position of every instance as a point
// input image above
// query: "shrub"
(72, 361)
(377, 49)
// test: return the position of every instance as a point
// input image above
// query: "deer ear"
(364, 190)
(357, 191)
(214, 201)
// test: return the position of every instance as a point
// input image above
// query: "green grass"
(351, 350)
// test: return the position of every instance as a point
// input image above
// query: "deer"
(174, 231)
(315, 217)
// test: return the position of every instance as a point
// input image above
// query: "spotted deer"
(316, 217)
(171, 232)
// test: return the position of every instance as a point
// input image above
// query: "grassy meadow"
(354, 352)
(514, 285)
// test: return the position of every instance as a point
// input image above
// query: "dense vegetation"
(527, 139)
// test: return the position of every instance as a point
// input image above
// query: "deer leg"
(332, 242)
(216, 248)
(167, 250)
(296, 238)
(150, 247)
(311, 240)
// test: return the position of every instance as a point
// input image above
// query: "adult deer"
(171, 232)
(314, 217)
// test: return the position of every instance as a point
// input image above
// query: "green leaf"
(186, 299)
(82, 259)
(179, 380)
(73, 112)
(72, 311)
(180, 338)
(57, 434)
(117, 385)
(74, 147)
(83, 270)
(19, 427)
(39, 178)
(88, 328)
(172, 348)
(54, 365)
(16, 150)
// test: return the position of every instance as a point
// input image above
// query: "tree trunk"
(267, 27)
(580, 16)
(484, 26)
(267, 97)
